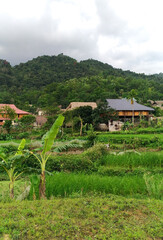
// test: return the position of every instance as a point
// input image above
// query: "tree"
(84, 114)
(7, 125)
(8, 112)
(132, 94)
(44, 155)
(103, 113)
(27, 121)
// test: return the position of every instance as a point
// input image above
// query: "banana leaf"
(51, 135)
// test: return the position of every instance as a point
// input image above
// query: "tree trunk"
(42, 186)
(11, 187)
(133, 117)
(81, 125)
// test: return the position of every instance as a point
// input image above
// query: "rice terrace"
(81, 151)
(99, 192)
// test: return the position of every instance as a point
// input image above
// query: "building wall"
(2, 120)
(130, 113)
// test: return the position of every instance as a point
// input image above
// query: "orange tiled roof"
(17, 110)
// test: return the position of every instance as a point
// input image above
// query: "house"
(3, 116)
(128, 109)
(157, 104)
(40, 120)
(74, 105)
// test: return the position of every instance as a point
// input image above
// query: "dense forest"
(58, 80)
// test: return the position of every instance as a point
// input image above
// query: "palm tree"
(131, 96)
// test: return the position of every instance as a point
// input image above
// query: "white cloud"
(126, 34)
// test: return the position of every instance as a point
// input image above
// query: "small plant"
(91, 136)
(34, 184)
(10, 166)
(154, 184)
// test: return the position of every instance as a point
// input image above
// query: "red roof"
(17, 110)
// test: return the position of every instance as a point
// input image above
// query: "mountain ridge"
(43, 80)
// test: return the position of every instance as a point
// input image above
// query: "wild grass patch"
(107, 217)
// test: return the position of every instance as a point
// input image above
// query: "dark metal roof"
(125, 105)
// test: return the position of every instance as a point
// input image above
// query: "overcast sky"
(126, 34)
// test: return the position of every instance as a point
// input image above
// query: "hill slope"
(60, 79)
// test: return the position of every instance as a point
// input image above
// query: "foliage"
(91, 136)
(49, 81)
(132, 160)
(6, 137)
(27, 120)
(158, 112)
(8, 112)
(96, 152)
(34, 190)
(103, 113)
(43, 157)
(66, 184)
(9, 163)
(132, 140)
(85, 113)
(7, 125)
(65, 146)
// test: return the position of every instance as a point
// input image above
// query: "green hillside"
(61, 79)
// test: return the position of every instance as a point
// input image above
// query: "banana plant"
(9, 163)
(45, 154)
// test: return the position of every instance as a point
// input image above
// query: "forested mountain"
(58, 80)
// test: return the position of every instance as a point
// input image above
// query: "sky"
(126, 34)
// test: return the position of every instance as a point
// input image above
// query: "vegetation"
(102, 185)
(9, 165)
(44, 155)
(98, 193)
(59, 80)
(91, 217)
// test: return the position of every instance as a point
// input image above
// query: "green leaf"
(51, 135)
(3, 156)
(21, 147)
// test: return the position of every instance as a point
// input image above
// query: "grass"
(88, 218)
(83, 206)
(64, 184)
(106, 137)
(19, 187)
(149, 160)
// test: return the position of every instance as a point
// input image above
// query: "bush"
(23, 135)
(70, 163)
(96, 152)
(5, 137)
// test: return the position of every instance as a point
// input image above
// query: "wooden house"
(74, 105)
(127, 109)
(157, 103)
(3, 116)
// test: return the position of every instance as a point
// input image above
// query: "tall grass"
(66, 184)
(133, 140)
(130, 160)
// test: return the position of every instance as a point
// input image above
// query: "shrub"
(70, 163)
(96, 152)
(5, 137)
(23, 135)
